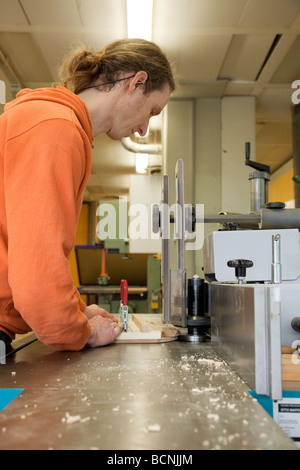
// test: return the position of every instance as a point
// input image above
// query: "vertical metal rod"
(275, 343)
(165, 259)
(276, 259)
(180, 214)
(274, 321)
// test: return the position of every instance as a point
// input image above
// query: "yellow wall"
(81, 239)
(282, 189)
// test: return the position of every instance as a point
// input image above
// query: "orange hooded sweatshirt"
(45, 160)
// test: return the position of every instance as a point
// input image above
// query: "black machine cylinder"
(197, 322)
(196, 297)
(295, 324)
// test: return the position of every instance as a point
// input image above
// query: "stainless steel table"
(170, 396)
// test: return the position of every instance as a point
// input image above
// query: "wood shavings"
(84, 420)
(231, 406)
(214, 400)
(154, 427)
(210, 362)
(69, 419)
(203, 390)
(213, 416)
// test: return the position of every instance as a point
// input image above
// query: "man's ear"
(139, 79)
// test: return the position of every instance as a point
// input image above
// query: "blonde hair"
(84, 67)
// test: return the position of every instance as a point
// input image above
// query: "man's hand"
(104, 326)
(94, 310)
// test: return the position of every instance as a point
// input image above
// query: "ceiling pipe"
(140, 148)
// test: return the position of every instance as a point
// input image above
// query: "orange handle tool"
(124, 306)
(124, 292)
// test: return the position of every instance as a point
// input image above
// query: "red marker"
(123, 304)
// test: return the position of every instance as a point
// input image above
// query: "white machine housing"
(250, 321)
(254, 245)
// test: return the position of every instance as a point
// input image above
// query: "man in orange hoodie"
(46, 137)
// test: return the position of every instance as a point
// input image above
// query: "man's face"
(134, 110)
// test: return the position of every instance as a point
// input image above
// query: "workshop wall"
(208, 166)
(281, 186)
(8, 93)
(209, 134)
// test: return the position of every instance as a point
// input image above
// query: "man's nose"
(143, 128)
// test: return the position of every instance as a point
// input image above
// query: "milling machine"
(251, 287)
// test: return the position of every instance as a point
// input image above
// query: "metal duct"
(141, 148)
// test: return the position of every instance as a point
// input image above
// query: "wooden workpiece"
(146, 331)
(290, 361)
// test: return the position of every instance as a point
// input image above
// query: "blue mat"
(7, 395)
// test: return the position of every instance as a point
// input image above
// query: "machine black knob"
(240, 266)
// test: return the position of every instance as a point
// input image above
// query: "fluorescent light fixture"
(141, 162)
(139, 19)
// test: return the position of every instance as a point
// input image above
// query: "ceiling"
(219, 47)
